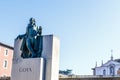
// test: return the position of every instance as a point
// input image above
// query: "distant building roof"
(118, 60)
(5, 45)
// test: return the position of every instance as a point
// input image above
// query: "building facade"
(110, 68)
(6, 55)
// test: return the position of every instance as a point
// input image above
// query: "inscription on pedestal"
(25, 70)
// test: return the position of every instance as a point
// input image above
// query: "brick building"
(6, 55)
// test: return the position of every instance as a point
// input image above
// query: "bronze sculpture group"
(32, 41)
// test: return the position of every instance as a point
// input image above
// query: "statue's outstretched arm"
(20, 36)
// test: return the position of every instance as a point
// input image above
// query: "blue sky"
(87, 29)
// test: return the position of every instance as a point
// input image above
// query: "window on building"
(104, 72)
(6, 52)
(5, 64)
(4, 75)
(111, 70)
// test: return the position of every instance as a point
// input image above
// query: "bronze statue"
(32, 43)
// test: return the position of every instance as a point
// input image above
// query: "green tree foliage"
(65, 72)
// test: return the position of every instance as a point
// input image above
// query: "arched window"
(104, 72)
(112, 70)
(5, 64)
(6, 52)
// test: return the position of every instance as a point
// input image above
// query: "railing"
(88, 76)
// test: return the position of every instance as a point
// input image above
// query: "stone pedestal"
(51, 46)
(28, 69)
(45, 68)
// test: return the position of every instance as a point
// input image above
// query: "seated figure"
(32, 41)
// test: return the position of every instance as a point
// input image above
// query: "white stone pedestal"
(28, 69)
(32, 68)
(51, 47)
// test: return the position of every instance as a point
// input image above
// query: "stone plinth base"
(28, 69)
(32, 68)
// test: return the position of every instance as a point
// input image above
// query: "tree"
(66, 72)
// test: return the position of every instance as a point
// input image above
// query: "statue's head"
(32, 20)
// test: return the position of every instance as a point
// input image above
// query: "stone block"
(28, 69)
(34, 68)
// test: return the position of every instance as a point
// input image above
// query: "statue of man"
(31, 44)
(32, 30)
